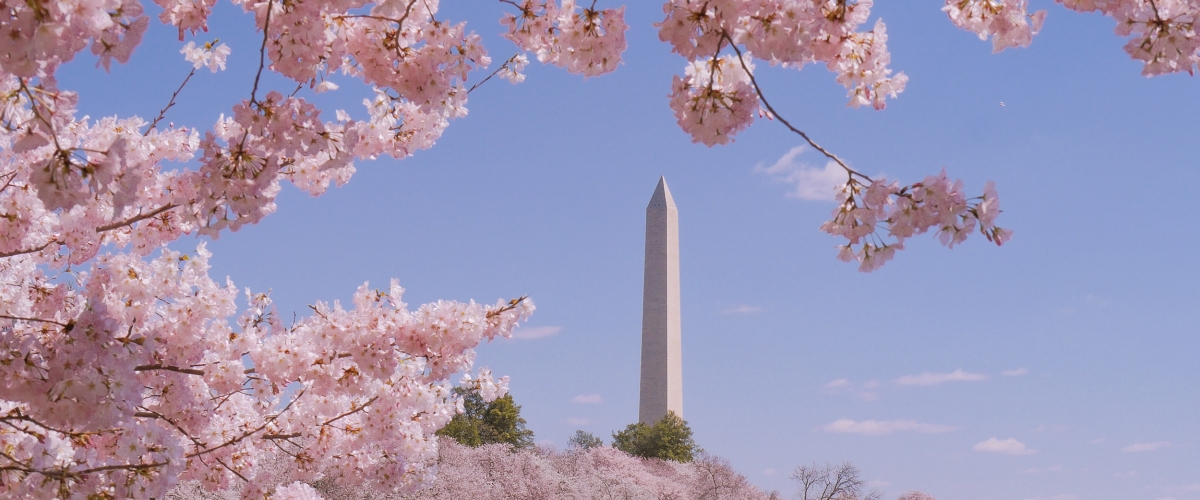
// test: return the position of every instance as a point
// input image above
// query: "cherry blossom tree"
(498, 471)
(501, 471)
(125, 368)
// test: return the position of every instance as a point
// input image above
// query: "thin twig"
(512, 304)
(162, 113)
(235, 440)
(262, 52)
(489, 77)
(352, 411)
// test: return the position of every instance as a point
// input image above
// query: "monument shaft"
(662, 372)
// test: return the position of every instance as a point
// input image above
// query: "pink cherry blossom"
(715, 99)
(584, 41)
(936, 203)
(1006, 21)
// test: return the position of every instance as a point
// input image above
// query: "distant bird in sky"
(1002, 104)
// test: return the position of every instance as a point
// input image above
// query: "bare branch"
(831, 482)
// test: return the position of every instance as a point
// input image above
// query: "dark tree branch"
(763, 98)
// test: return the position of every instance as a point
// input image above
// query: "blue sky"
(790, 356)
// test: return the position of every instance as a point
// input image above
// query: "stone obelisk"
(662, 373)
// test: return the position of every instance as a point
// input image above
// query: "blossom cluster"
(715, 99)
(934, 203)
(1006, 21)
(1162, 33)
(208, 55)
(584, 41)
(712, 99)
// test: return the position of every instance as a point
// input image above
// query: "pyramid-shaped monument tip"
(662, 195)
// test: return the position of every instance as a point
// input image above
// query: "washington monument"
(662, 373)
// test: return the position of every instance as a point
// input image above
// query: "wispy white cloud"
(1040, 470)
(1008, 446)
(811, 183)
(770, 472)
(743, 309)
(1064, 496)
(881, 427)
(1191, 488)
(1014, 373)
(1097, 441)
(867, 395)
(1157, 445)
(578, 421)
(842, 386)
(1126, 475)
(587, 399)
(929, 378)
(535, 332)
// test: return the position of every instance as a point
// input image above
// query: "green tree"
(487, 423)
(584, 440)
(668, 439)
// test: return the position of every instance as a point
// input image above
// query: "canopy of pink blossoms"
(125, 368)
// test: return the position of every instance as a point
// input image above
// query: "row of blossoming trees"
(501, 472)
(125, 368)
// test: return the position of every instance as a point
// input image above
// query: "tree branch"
(262, 52)
(512, 304)
(162, 113)
(136, 218)
(189, 371)
(763, 98)
(489, 77)
(19, 318)
(352, 411)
